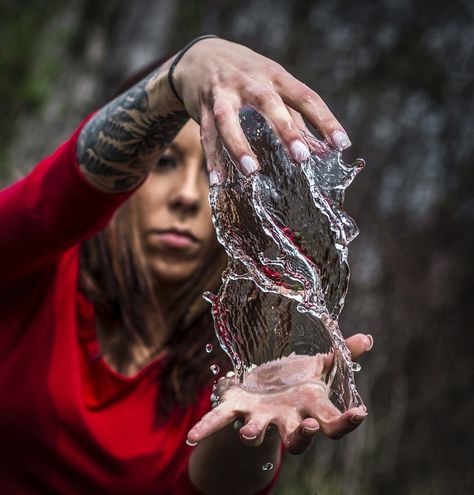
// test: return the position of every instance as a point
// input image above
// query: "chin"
(173, 274)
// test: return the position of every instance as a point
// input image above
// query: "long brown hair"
(116, 277)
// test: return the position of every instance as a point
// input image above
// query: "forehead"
(188, 137)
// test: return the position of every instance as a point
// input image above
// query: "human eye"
(165, 163)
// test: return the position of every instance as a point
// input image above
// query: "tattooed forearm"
(115, 146)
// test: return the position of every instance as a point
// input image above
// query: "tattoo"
(115, 146)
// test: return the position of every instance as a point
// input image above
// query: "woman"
(102, 345)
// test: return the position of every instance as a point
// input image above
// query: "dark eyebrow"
(176, 148)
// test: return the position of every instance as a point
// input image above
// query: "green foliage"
(28, 68)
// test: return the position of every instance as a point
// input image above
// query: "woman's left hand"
(298, 412)
(217, 78)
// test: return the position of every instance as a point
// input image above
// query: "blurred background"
(399, 75)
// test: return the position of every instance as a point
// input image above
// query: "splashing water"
(209, 348)
(356, 367)
(286, 235)
(215, 369)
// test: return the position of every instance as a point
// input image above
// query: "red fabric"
(68, 423)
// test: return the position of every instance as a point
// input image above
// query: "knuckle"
(326, 120)
(281, 77)
(220, 112)
(288, 130)
(263, 95)
(205, 139)
(215, 414)
(308, 97)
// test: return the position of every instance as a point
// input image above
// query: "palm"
(297, 410)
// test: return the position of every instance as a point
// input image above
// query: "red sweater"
(69, 424)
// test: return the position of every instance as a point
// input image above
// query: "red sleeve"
(50, 210)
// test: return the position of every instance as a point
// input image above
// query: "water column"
(286, 235)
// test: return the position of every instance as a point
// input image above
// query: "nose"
(186, 196)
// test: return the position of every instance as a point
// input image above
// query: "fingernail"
(214, 178)
(191, 444)
(248, 164)
(371, 341)
(309, 431)
(299, 151)
(358, 418)
(340, 140)
(249, 438)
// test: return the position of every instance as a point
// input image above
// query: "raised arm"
(51, 209)
(118, 146)
(213, 80)
(72, 194)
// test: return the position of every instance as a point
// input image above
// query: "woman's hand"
(216, 78)
(297, 412)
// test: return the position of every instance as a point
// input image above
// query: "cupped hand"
(216, 78)
(297, 412)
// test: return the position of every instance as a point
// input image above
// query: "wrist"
(178, 65)
(160, 94)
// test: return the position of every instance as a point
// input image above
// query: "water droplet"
(267, 467)
(215, 369)
(191, 444)
(209, 348)
(356, 367)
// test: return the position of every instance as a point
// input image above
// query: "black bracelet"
(179, 56)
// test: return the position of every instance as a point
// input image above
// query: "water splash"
(215, 369)
(286, 236)
(356, 367)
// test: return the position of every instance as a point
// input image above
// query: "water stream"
(286, 235)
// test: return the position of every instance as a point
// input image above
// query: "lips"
(173, 238)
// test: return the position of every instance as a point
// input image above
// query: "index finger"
(213, 421)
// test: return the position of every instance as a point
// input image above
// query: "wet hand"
(297, 412)
(216, 78)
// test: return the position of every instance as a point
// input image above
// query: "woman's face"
(174, 212)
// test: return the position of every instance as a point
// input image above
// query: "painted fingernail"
(299, 151)
(340, 140)
(358, 418)
(248, 164)
(214, 178)
(249, 438)
(309, 431)
(371, 341)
